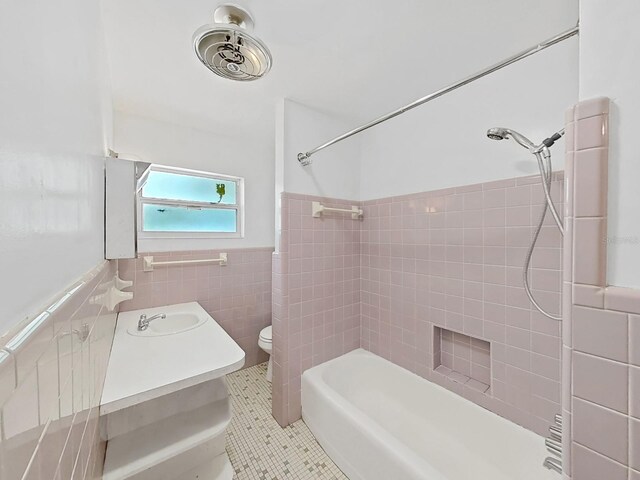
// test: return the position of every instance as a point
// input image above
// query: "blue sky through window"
(174, 186)
(169, 217)
(165, 218)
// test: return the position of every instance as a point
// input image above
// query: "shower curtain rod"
(305, 158)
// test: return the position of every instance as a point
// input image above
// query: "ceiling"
(356, 59)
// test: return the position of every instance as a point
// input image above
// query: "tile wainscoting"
(52, 371)
(237, 296)
(450, 258)
(316, 296)
(601, 327)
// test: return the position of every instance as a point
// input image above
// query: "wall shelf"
(462, 358)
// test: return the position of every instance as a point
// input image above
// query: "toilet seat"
(265, 343)
(266, 334)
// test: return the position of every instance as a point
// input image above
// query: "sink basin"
(188, 333)
(174, 323)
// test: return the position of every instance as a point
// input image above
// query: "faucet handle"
(142, 322)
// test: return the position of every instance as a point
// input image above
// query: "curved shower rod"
(305, 158)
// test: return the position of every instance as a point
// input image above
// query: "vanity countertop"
(142, 368)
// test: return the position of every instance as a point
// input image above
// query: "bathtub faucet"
(554, 445)
(144, 322)
(553, 464)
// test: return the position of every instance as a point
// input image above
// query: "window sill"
(188, 235)
(156, 244)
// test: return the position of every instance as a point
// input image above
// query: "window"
(179, 203)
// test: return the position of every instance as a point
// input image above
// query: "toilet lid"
(265, 334)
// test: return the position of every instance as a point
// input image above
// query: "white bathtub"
(378, 421)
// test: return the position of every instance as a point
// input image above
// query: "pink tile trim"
(588, 295)
(600, 332)
(601, 381)
(568, 181)
(634, 391)
(634, 339)
(605, 336)
(591, 132)
(590, 465)
(622, 299)
(591, 108)
(590, 173)
(634, 443)
(600, 429)
(57, 392)
(588, 243)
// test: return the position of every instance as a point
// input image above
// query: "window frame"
(238, 206)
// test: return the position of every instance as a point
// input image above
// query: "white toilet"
(265, 343)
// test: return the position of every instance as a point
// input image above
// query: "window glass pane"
(173, 186)
(164, 218)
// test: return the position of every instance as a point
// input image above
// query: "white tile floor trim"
(259, 448)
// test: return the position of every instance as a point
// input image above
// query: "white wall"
(443, 143)
(437, 145)
(54, 128)
(336, 173)
(610, 66)
(299, 128)
(178, 146)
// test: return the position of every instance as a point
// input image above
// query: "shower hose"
(544, 164)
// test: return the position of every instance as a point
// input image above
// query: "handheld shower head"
(499, 133)
(543, 155)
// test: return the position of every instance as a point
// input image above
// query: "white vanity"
(165, 405)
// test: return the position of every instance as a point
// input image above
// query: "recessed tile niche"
(462, 358)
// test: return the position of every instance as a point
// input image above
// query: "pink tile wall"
(601, 331)
(237, 296)
(51, 375)
(453, 259)
(280, 354)
(316, 299)
(450, 258)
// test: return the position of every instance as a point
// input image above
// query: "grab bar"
(148, 262)
(317, 209)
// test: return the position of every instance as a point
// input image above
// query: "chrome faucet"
(554, 445)
(143, 322)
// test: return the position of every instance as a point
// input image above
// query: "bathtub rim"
(335, 401)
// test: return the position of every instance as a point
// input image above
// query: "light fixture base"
(234, 15)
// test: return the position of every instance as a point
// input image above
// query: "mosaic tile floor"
(259, 448)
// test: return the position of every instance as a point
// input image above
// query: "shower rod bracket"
(305, 158)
